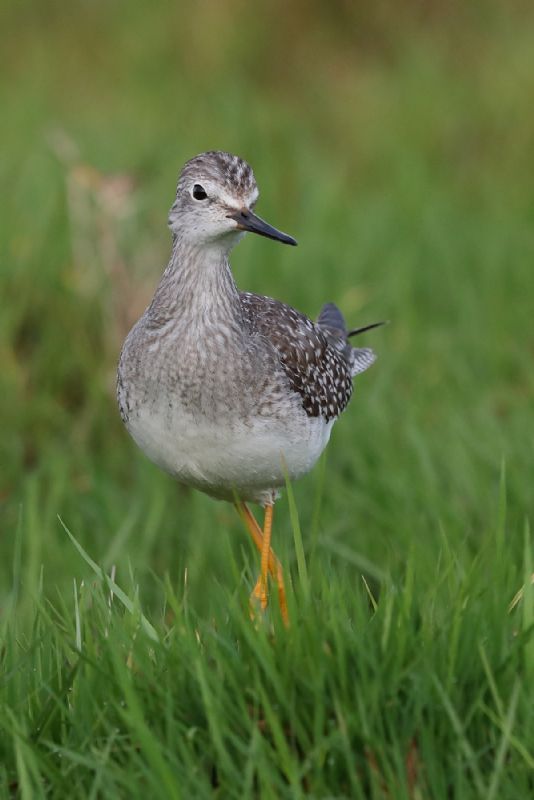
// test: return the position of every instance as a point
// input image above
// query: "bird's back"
(316, 357)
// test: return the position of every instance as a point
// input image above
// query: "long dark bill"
(247, 221)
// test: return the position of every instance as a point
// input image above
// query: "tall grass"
(396, 147)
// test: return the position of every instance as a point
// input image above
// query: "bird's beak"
(247, 221)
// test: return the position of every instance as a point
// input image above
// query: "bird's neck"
(197, 287)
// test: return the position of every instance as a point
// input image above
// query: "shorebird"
(231, 392)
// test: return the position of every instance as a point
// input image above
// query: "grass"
(397, 149)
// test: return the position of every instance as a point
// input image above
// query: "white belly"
(248, 460)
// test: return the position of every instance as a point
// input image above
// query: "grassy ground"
(398, 150)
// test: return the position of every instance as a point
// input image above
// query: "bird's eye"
(199, 192)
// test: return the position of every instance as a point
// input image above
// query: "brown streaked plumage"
(230, 391)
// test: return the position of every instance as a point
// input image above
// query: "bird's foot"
(270, 565)
(259, 594)
(259, 600)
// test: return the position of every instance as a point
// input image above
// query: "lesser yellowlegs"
(230, 391)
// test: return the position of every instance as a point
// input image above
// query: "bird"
(231, 392)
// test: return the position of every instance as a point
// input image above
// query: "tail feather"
(364, 328)
(333, 324)
(361, 359)
(331, 317)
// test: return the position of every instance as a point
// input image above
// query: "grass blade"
(124, 599)
(297, 538)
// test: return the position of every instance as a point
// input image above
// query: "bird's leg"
(250, 521)
(268, 556)
(261, 589)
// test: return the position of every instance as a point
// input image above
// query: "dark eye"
(199, 192)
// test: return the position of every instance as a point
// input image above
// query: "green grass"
(397, 149)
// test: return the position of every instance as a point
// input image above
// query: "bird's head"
(215, 201)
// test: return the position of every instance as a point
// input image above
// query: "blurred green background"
(395, 141)
(395, 144)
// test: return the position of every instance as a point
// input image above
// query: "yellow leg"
(265, 551)
(269, 561)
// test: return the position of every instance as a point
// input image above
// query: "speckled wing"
(317, 358)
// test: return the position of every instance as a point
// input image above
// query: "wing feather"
(316, 357)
